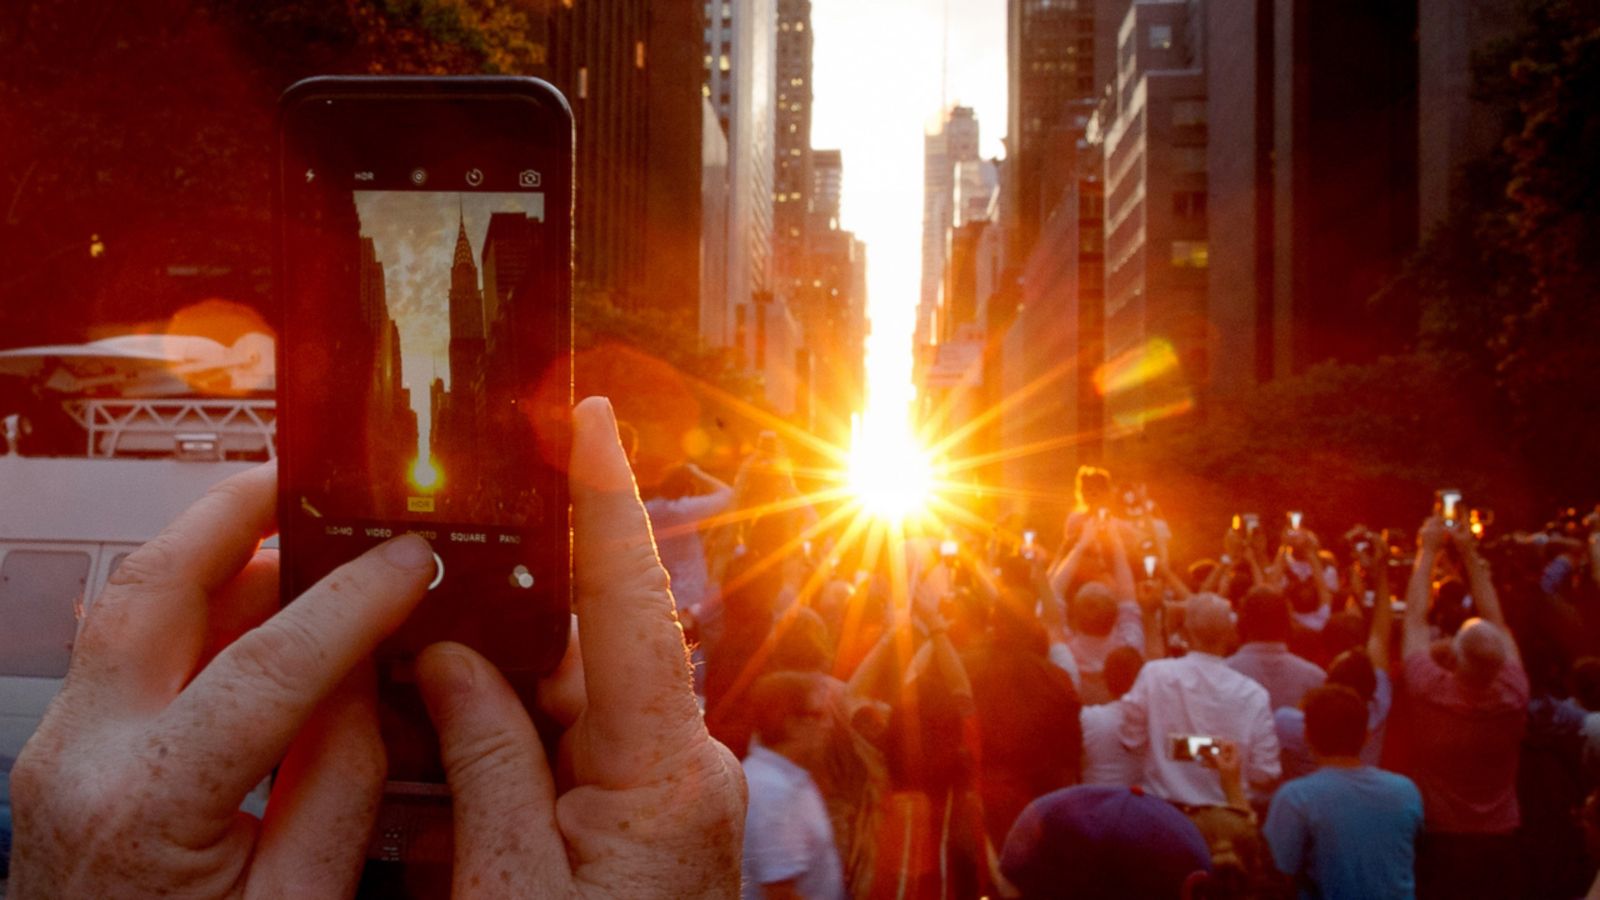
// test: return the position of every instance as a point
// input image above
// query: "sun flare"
(890, 472)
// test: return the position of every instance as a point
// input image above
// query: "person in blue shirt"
(1348, 829)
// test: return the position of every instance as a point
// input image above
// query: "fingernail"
(408, 551)
(452, 671)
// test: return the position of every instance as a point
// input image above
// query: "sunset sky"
(878, 81)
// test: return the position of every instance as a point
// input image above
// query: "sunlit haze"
(879, 76)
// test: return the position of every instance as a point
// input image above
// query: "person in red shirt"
(1468, 701)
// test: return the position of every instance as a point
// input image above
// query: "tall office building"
(1156, 254)
(1059, 54)
(1313, 178)
(792, 163)
(741, 82)
(598, 57)
(675, 242)
(954, 179)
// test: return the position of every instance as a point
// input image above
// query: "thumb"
(503, 797)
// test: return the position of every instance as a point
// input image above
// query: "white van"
(67, 521)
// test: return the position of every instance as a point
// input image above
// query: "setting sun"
(424, 475)
(890, 473)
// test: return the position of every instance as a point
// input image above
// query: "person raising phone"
(188, 686)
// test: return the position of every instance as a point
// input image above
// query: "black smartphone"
(425, 363)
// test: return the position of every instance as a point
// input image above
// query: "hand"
(1230, 767)
(1432, 535)
(654, 805)
(187, 686)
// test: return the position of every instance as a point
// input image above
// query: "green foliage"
(1511, 280)
(1342, 442)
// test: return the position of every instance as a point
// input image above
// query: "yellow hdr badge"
(419, 504)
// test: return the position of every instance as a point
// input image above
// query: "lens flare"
(890, 472)
(424, 475)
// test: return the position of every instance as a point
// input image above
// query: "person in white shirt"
(1199, 694)
(1105, 760)
(789, 850)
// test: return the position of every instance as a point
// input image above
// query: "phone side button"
(438, 572)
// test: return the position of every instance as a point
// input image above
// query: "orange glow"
(890, 473)
(424, 475)
(1137, 417)
(1138, 366)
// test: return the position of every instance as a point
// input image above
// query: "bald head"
(1094, 610)
(1480, 650)
(1208, 620)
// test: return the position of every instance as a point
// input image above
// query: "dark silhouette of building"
(1313, 180)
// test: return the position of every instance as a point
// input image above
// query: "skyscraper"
(1156, 254)
(742, 86)
(599, 53)
(792, 163)
(953, 182)
(1059, 54)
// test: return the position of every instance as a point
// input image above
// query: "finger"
(504, 804)
(158, 596)
(234, 721)
(242, 604)
(640, 700)
(562, 694)
(324, 800)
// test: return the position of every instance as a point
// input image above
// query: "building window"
(583, 82)
(638, 54)
(1161, 37)
(1191, 254)
(723, 63)
(1186, 113)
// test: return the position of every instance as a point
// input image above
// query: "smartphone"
(1295, 517)
(1252, 523)
(425, 365)
(1191, 747)
(948, 549)
(1150, 562)
(1448, 504)
(1028, 537)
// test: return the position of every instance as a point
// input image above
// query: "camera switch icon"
(529, 178)
(474, 177)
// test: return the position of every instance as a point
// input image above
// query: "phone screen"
(425, 373)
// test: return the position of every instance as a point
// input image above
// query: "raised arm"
(1419, 593)
(1066, 567)
(1121, 572)
(1481, 584)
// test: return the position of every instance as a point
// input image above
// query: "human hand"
(1229, 765)
(643, 802)
(1432, 535)
(187, 685)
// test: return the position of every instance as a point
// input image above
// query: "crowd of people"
(951, 715)
(979, 716)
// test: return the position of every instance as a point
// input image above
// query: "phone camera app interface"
(431, 369)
